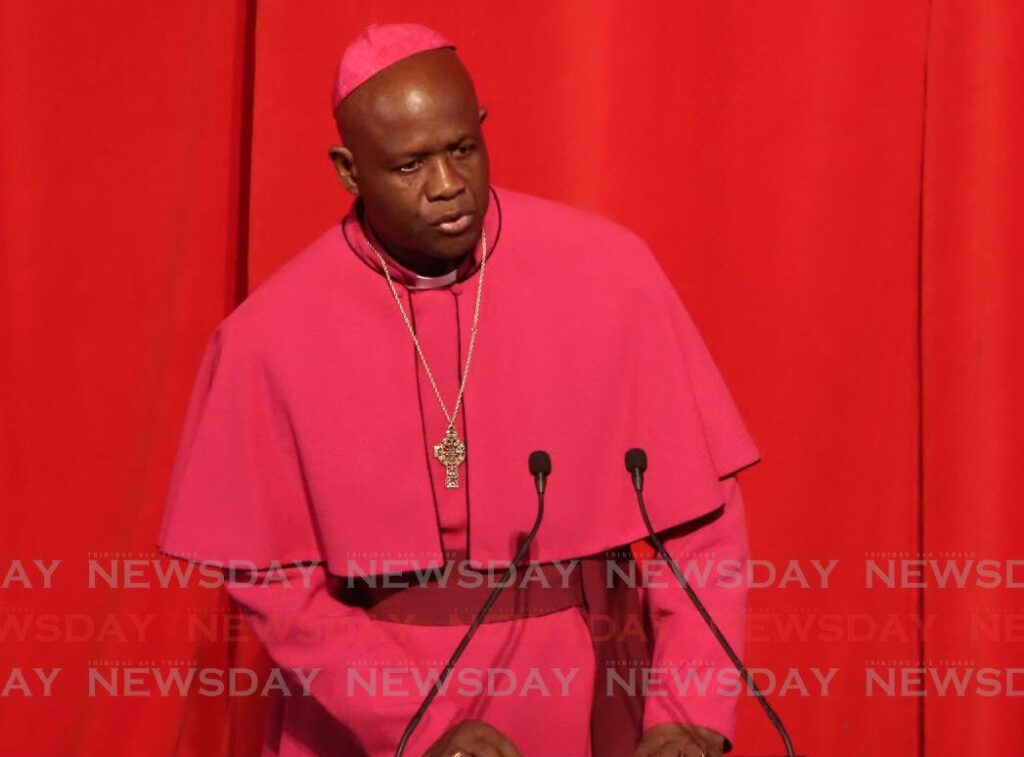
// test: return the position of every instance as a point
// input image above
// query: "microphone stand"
(540, 467)
(636, 464)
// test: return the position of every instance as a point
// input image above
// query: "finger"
(703, 748)
(645, 749)
(507, 749)
(485, 749)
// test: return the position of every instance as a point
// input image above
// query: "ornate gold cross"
(451, 452)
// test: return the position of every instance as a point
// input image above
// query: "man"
(368, 412)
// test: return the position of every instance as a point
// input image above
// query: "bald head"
(415, 155)
(422, 84)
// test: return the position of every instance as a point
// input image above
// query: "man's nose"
(445, 181)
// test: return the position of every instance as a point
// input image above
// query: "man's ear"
(483, 113)
(345, 165)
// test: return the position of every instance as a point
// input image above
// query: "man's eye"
(409, 167)
(465, 149)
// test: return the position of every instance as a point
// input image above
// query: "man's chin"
(455, 247)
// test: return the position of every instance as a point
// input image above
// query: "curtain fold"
(120, 160)
(973, 200)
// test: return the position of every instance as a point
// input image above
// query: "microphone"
(636, 464)
(540, 469)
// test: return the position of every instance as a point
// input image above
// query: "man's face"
(414, 152)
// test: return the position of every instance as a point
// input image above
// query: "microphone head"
(540, 462)
(636, 459)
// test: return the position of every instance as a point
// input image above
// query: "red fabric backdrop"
(835, 189)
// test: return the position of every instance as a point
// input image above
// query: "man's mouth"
(455, 224)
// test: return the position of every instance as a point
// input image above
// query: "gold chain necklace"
(451, 451)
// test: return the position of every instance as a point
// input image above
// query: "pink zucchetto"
(377, 47)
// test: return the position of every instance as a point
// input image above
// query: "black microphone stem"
(749, 679)
(439, 684)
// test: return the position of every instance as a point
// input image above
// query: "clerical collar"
(356, 236)
(435, 282)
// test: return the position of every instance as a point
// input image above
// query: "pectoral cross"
(451, 452)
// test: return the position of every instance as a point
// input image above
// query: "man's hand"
(678, 740)
(472, 738)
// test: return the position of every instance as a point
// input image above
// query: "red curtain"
(972, 358)
(833, 187)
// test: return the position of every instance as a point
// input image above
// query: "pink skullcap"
(377, 47)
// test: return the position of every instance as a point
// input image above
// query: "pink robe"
(309, 438)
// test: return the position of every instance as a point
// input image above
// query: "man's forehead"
(429, 86)
(377, 47)
(399, 125)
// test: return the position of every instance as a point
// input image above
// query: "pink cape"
(303, 439)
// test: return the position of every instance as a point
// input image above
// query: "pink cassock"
(309, 439)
